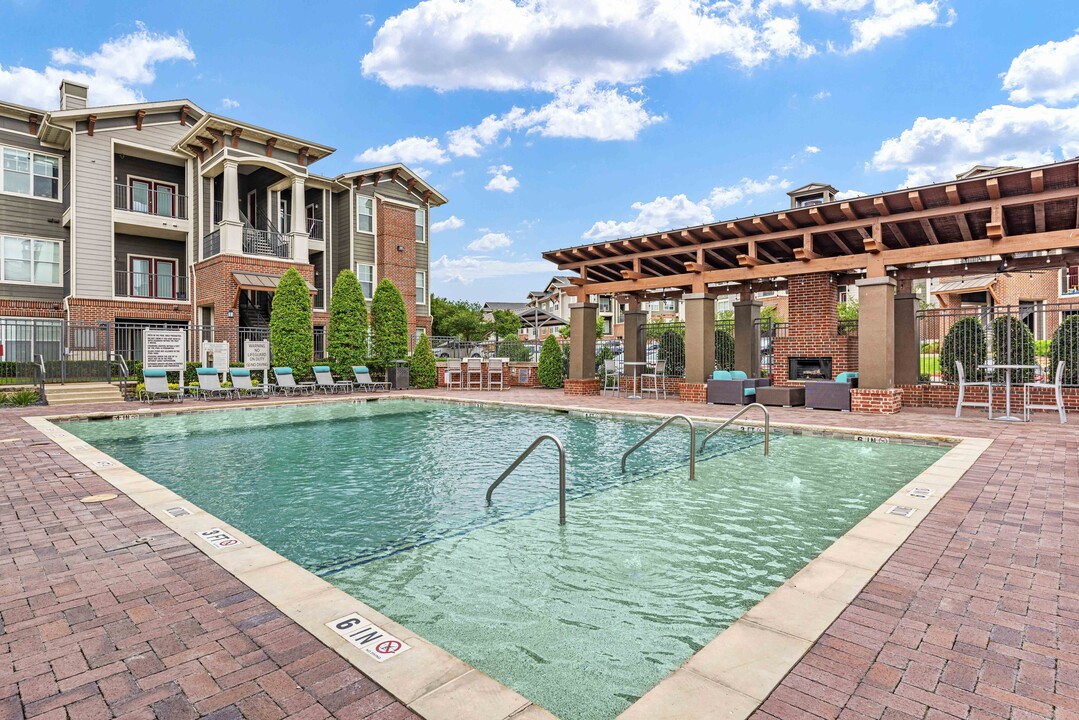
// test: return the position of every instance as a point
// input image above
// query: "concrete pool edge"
(735, 671)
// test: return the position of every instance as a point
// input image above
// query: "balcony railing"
(160, 201)
(152, 286)
(267, 242)
(211, 244)
(314, 229)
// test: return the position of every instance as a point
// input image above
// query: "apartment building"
(162, 213)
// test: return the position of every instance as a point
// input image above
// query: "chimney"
(73, 95)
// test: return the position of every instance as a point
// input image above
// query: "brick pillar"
(747, 337)
(907, 349)
(700, 337)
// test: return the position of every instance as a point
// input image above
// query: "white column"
(298, 230)
(232, 232)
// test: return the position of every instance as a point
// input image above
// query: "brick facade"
(876, 402)
(215, 284)
(693, 392)
(812, 331)
(946, 396)
(512, 377)
(581, 387)
(31, 309)
(397, 229)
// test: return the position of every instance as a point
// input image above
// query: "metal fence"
(1033, 334)
(453, 348)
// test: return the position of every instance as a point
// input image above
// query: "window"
(152, 198)
(1071, 281)
(151, 278)
(366, 275)
(421, 236)
(421, 288)
(30, 261)
(22, 338)
(30, 173)
(365, 214)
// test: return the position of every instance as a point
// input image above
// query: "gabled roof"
(985, 170)
(397, 172)
(812, 187)
(224, 124)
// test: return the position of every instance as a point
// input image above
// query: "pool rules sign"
(368, 637)
(163, 349)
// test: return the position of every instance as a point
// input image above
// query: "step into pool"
(386, 501)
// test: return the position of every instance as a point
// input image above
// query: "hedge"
(724, 350)
(513, 348)
(1065, 347)
(389, 326)
(965, 342)
(346, 334)
(672, 348)
(1020, 351)
(291, 334)
(549, 372)
(422, 372)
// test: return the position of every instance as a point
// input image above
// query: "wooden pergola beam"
(930, 233)
(732, 227)
(749, 257)
(786, 222)
(817, 217)
(992, 186)
(881, 207)
(1037, 181)
(806, 252)
(995, 228)
(848, 211)
(875, 242)
(952, 191)
(915, 199)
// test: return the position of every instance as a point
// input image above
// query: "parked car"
(615, 346)
(457, 350)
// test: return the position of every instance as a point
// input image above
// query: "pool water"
(386, 501)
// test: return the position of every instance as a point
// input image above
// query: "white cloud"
(811, 150)
(894, 18)
(822, 95)
(659, 214)
(113, 72)
(229, 103)
(469, 268)
(721, 197)
(489, 242)
(849, 194)
(406, 150)
(1048, 72)
(367, 19)
(502, 180)
(451, 223)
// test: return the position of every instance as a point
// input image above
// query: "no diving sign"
(368, 637)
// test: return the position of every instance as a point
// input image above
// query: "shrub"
(513, 348)
(1013, 344)
(422, 372)
(389, 326)
(672, 348)
(724, 350)
(1065, 347)
(4, 398)
(930, 347)
(602, 357)
(1042, 348)
(346, 334)
(964, 342)
(549, 372)
(21, 398)
(291, 334)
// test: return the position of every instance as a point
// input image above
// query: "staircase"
(255, 314)
(78, 393)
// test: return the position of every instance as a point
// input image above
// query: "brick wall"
(581, 387)
(946, 396)
(397, 228)
(813, 317)
(215, 284)
(876, 402)
(512, 378)
(31, 309)
(693, 392)
(89, 310)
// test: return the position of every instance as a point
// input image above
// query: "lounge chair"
(364, 381)
(733, 387)
(831, 394)
(209, 385)
(286, 383)
(155, 384)
(241, 383)
(324, 380)
(1057, 386)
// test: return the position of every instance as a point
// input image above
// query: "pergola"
(1027, 218)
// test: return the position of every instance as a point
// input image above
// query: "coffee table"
(785, 396)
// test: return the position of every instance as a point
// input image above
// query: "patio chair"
(324, 380)
(964, 384)
(364, 382)
(652, 381)
(612, 379)
(474, 373)
(286, 383)
(455, 374)
(242, 385)
(156, 383)
(209, 385)
(831, 394)
(733, 387)
(496, 368)
(1058, 392)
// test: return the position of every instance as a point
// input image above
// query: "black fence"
(1035, 335)
(512, 347)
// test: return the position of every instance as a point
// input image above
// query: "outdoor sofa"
(831, 394)
(733, 387)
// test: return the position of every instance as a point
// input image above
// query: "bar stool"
(454, 374)
(474, 369)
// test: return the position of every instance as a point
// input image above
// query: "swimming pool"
(385, 500)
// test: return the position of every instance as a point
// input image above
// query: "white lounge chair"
(324, 380)
(364, 381)
(1058, 392)
(210, 385)
(241, 383)
(964, 384)
(155, 383)
(286, 383)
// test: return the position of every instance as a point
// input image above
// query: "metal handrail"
(561, 473)
(118, 358)
(692, 443)
(740, 413)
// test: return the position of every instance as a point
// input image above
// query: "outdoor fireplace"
(809, 368)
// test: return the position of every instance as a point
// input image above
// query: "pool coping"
(731, 675)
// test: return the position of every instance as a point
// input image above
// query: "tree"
(346, 341)
(848, 311)
(506, 323)
(1064, 347)
(512, 348)
(442, 312)
(964, 342)
(291, 334)
(460, 319)
(564, 331)
(549, 372)
(422, 372)
(389, 326)
(724, 350)
(1013, 344)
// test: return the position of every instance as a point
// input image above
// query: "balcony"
(211, 244)
(268, 243)
(151, 286)
(160, 200)
(314, 229)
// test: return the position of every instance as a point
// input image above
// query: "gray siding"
(149, 247)
(339, 239)
(127, 166)
(93, 175)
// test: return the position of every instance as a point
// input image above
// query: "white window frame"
(374, 282)
(425, 289)
(360, 199)
(59, 174)
(32, 240)
(421, 216)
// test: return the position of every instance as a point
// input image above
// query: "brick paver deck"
(975, 616)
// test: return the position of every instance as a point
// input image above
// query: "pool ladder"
(561, 473)
(692, 443)
(740, 413)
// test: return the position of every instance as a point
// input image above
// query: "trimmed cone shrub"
(389, 326)
(422, 372)
(964, 342)
(550, 363)
(512, 348)
(672, 348)
(1013, 344)
(1065, 347)
(724, 350)
(291, 335)
(346, 335)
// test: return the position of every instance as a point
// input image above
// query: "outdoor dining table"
(1007, 416)
(636, 378)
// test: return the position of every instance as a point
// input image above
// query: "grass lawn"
(930, 365)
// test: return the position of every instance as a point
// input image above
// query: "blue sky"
(551, 122)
